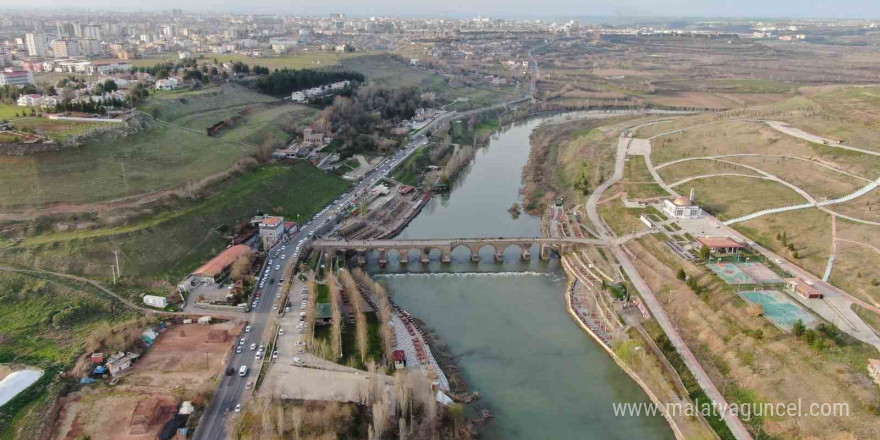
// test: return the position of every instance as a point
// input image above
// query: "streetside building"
(271, 230)
(804, 289)
(218, 267)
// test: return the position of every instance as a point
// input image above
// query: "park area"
(181, 365)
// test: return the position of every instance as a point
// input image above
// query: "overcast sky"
(498, 8)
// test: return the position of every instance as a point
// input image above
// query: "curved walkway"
(705, 176)
(736, 426)
(805, 159)
(783, 127)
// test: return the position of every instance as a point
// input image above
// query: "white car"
(253, 347)
(238, 408)
(247, 329)
(241, 341)
(301, 325)
(259, 355)
(275, 354)
(297, 360)
(277, 267)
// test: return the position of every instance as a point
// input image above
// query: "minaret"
(692, 195)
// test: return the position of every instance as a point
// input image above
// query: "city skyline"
(520, 9)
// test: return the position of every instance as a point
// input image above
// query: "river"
(506, 325)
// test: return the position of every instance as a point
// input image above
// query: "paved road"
(232, 389)
(736, 426)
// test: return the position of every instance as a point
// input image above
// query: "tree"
(798, 328)
(705, 252)
(241, 266)
(681, 275)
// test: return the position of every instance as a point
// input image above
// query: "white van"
(242, 371)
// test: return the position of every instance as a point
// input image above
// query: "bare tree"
(242, 265)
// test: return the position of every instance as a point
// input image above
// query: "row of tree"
(285, 81)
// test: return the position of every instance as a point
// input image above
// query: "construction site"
(157, 394)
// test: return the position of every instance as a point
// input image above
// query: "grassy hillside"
(158, 157)
(171, 105)
(110, 167)
(48, 323)
(173, 241)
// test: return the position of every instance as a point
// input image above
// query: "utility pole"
(118, 271)
(113, 271)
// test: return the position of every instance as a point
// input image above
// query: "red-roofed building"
(720, 245)
(219, 266)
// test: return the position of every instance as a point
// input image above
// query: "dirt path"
(101, 287)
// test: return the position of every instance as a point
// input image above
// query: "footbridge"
(420, 249)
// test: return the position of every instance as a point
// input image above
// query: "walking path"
(836, 306)
(115, 295)
(736, 426)
(798, 133)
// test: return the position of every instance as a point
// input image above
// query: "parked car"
(238, 408)
(275, 354)
(247, 329)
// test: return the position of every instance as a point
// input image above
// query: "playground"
(745, 273)
(779, 309)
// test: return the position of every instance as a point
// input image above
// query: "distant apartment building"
(66, 48)
(5, 56)
(15, 77)
(108, 67)
(36, 44)
(93, 32)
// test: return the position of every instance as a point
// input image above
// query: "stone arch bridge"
(446, 245)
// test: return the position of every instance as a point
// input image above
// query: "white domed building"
(682, 207)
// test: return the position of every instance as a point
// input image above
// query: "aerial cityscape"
(440, 221)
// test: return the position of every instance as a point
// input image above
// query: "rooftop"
(222, 261)
(719, 242)
(682, 201)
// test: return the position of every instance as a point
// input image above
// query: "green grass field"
(46, 323)
(58, 130)
(159, 158)
(173, 242)
(8, 111)
(172, 105)
(386, 71)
